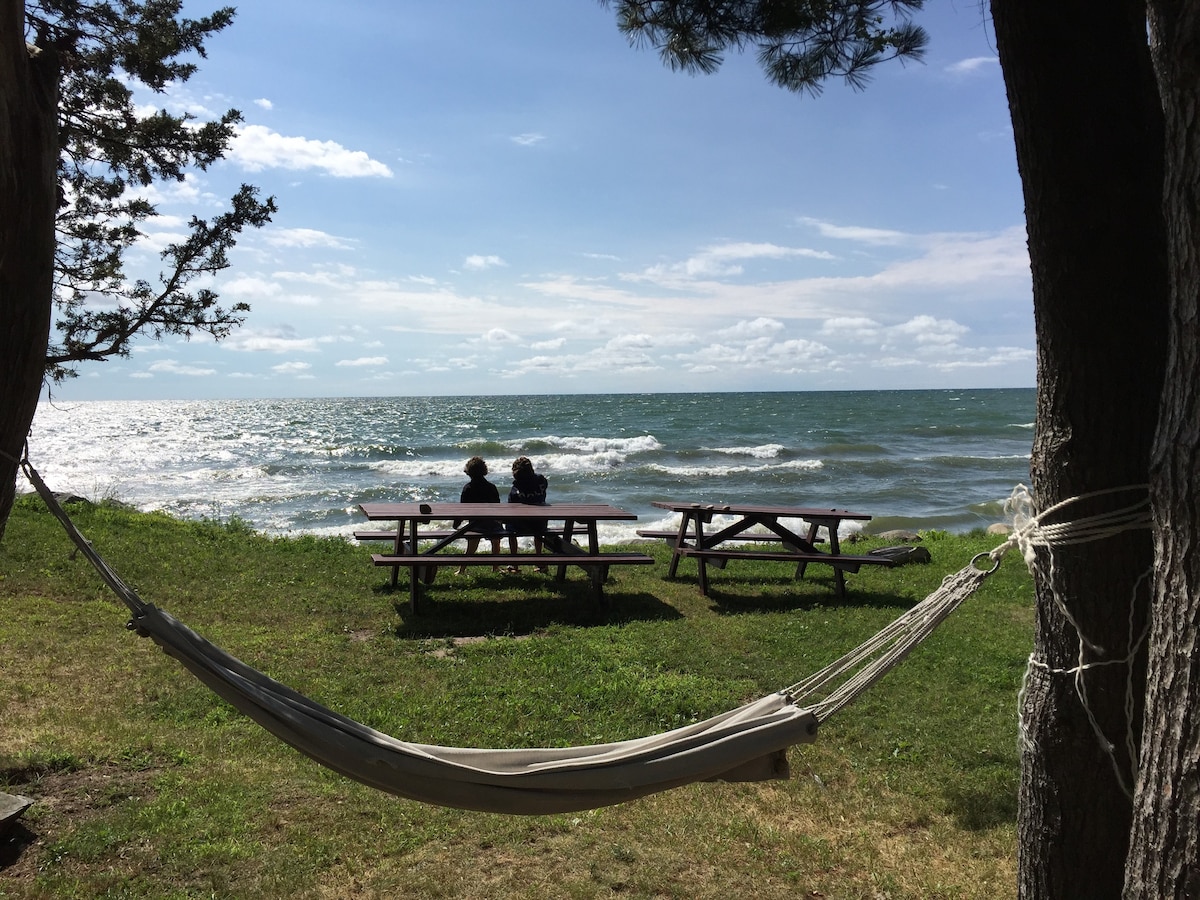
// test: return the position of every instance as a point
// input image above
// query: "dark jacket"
(529, 489)
(480, 490)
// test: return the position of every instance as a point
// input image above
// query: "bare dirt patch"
(62, 801)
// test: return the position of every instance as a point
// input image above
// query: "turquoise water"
(917, 459)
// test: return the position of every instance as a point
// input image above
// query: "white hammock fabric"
(747, 743)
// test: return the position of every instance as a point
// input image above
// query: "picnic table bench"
(691, 540)
(435, 534)
(411, 547)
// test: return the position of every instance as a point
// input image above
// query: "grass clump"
(147, 785)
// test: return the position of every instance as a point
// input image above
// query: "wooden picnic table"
(706, 548)
(577, 520)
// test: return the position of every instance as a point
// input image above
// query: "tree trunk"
(1164, 857)
(1088, 133)
(28, 201)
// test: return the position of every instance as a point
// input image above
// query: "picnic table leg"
(835, 551)
(562, 544)
(680, 540)
(812, 542)
(701, 569)
(397, 550)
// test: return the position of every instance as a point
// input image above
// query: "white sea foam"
(714, 470)
(763, 451)
(645, 443)
(420, 468)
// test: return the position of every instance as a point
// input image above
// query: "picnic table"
(729, 540)
(418, 546)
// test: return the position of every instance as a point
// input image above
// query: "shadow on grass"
(737, 597)
(516, 605)
(13, 843)
(980, 810)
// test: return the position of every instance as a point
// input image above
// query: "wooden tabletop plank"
(579, 512)
(783, 512)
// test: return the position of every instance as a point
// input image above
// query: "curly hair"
(522, 464)
(476, 467)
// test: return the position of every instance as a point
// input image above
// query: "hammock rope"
(1032, 532)
(747, 743)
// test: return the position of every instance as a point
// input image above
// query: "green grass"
(147, 785)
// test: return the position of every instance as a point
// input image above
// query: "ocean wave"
(421, 468)
(582, 463)
(714, 470)
(762, 451)
(646, 443)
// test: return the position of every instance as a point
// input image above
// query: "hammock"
(744, 744)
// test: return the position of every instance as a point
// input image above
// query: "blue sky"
(486, 198)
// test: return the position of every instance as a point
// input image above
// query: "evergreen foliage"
(800, 45)
(111, 153)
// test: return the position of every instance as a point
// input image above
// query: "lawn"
(146, 785)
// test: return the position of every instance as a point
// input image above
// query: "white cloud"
(752, 329)
(858, 233)
(171, 367)
(928, 330)
(724, 260)
(476, 261)
(281, 340)
(157, 241)
(291, 368)
(972, 65)
(188, 191)
(251, 286)
(794, 356)
(304, 237)
(500, 336)
(264, 103)
(528, 139)
(330, 276)
(599, 360)
(363, 361)
(857, 329)
(256, 147)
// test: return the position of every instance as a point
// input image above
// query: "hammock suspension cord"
(1032, 532)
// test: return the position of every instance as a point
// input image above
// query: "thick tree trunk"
(1164, 857)
(1088, 135)
(28, 200)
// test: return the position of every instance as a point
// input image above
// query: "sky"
(487, 198)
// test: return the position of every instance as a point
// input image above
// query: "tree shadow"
(518, 605)
(13, 842)
(980, 810)
(785, 594)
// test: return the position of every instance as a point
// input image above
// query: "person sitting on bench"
(527, 487)
(480, 490)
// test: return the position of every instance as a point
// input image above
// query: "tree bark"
(1164, 857)
(28, 201)
(1088, 134)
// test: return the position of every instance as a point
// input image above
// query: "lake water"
(943, 459)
